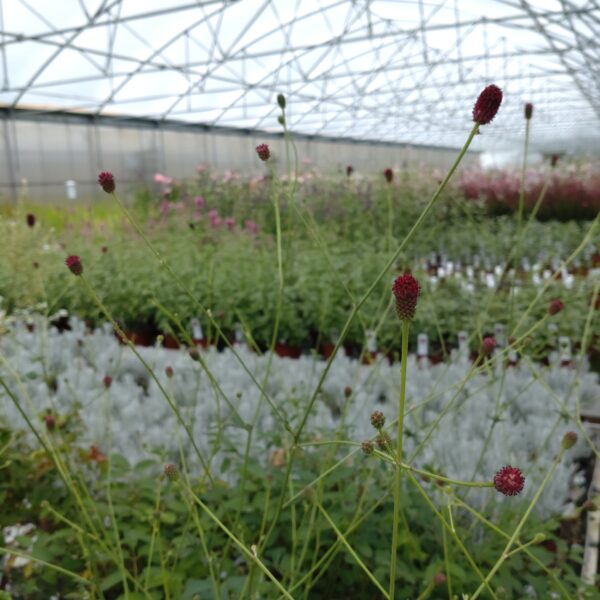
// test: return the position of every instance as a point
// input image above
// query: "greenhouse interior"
(299, 299)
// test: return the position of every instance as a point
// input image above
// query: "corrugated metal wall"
(39, 155)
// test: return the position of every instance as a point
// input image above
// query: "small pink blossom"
(251, 226)
(230, 223)
(199, 202)
(162, 179)
(214, 218)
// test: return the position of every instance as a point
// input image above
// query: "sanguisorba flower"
(107, 182)
(349, 170)
(528, 110)
(30, 220)
(487, 104)
(555, 307)
(406, 291)
(74, 264)
(263, 151)
(389, 175)
(488, 345)
(509, 481)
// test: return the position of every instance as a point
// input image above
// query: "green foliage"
(159, 537)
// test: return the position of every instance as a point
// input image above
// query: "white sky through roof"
(392, 70)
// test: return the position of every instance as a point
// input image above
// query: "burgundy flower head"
(74, 264)
(509, 481)
(488, 345)
(169, 372)
(406, 290)
(30, 220)
(528, 110)
(107, 182)
(553, 160)
(389, 175)
(487, 104)
(50, 422)
(349, 170)
(555, 307)
(263, 151)
(107, 381)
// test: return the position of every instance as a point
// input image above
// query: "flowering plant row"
(233, 274)
(573, 192)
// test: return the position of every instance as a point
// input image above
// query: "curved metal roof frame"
(391, 70)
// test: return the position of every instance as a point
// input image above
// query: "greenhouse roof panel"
(404, 70)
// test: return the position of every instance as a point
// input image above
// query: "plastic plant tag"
(422, 345)
(371, 340)
(564, 349)
(500, 335)
(197, 333)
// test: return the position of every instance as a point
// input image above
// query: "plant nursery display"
(302, 385)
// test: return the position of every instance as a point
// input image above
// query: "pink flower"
(230, 223)
(162, 179)
(251, 226)
(201, 168)
(214, 218)
(199, 202)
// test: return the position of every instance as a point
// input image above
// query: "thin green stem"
(416, 226)
(399, 450)
(352, 552)
(447, 559)
(390, 217)
(523, 169)
(70, 574)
